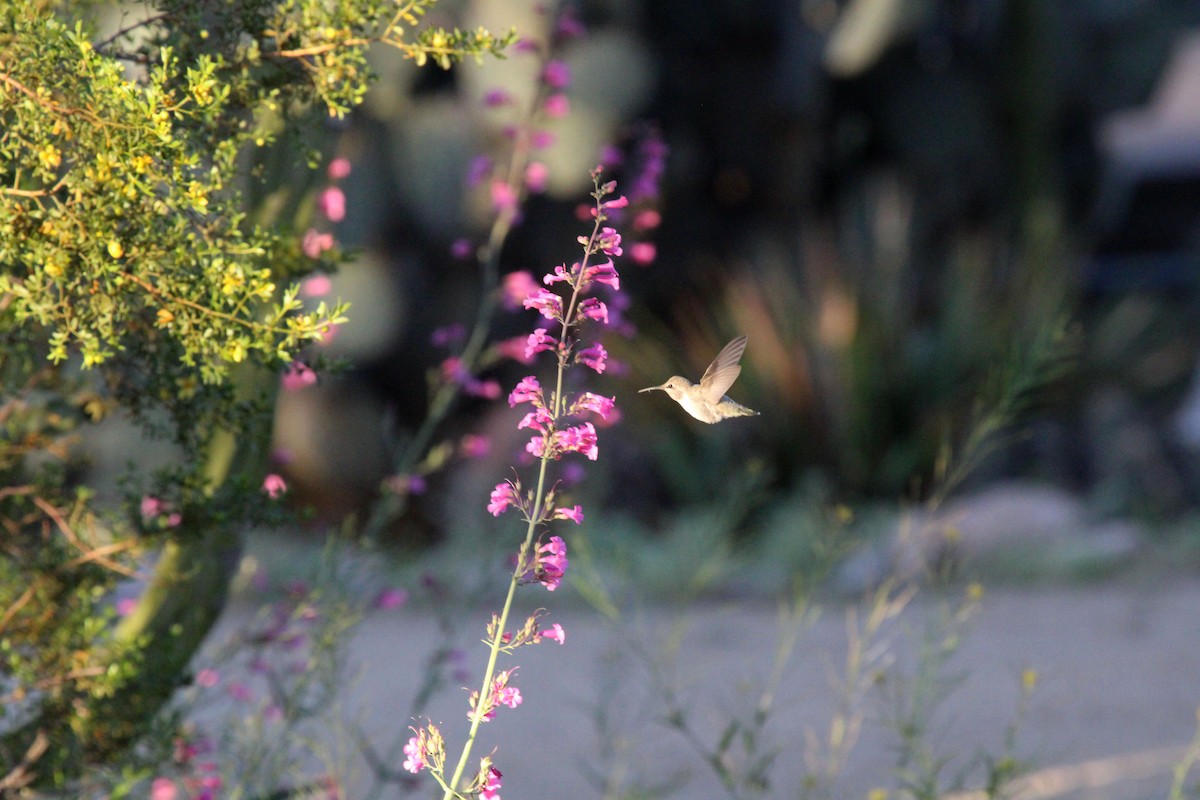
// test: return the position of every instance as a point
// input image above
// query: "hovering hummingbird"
(706, 401)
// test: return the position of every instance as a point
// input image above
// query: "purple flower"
(610, 242)
(594, 356)
(390, 598)
(540, 140)
(474, 446)
(461, 249)
(479, 168)
(494, 98)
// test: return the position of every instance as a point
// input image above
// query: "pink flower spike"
(595, 357)
(538, 342)
(332, 203)
(338, 168)
(592, 308)
(535, 176)
(503, 496)
(527, 390)
(556, 106)
(556, 74)
(574, 514)
(547, 303)
(274, 485)
(643, 253)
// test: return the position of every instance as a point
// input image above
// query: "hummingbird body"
(706, 400)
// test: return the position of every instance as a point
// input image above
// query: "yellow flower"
(50, 156)
(141, 163)
(164, 318)
(115, 248)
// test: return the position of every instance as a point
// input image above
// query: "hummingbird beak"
(651, 388)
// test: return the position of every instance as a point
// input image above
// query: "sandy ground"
(1118, 670)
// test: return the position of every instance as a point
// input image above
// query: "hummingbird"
(706, 401)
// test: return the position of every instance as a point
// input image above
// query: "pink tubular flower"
(604, 273)
(538, 342)
(547, 303)
(551, 563)
(559, 275)
(414, 760)
(274, 485)
(554, 632)
(595, 403)
(579, 439)
(503, 496)
(527, 390)
(615, 203)
(593, 308)
(538, 419)
(491, 786)
(536, 446)
(332, 203)
(595, 357)
(574, 514)
(610, 242)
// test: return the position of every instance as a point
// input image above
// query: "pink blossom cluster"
(331, 205)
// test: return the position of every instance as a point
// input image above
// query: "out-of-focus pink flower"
(317, 285)
(515, 287)
(461, 249)
(504, 199)
(474, 446)
(643, 253)
(207, 678)
(126, 606)
(556, 74)
(540, 140)
(647, 219)
(535, 176)
(556, 105)
(390, 598)
(162, 789)
(575, 514)
(338, 168)
(494, 98)
(479, 168)
(332, 203)
(297, 376)
(274, 485)
(314, 243)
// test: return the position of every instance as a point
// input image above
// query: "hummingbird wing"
(723, 371)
